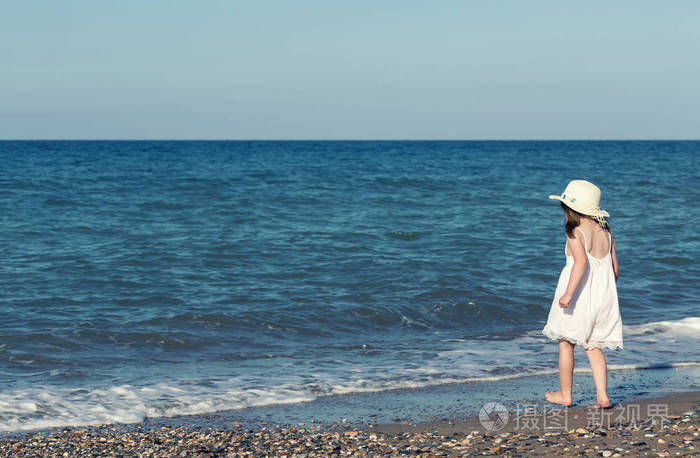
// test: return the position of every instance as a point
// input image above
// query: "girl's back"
(597, 239)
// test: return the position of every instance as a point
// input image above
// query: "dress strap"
(610, 238)
(585, 242)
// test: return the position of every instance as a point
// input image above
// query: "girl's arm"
(614, 261)
(577, 271)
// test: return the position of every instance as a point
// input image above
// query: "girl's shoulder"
(578, 234)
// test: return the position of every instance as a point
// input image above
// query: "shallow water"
(151, 279)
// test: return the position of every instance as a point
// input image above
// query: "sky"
(331, 69)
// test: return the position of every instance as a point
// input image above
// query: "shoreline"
(421, 404)
(439, 420)
(450, 400)
(675, 433)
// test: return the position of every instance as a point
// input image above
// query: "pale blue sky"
(350, 69)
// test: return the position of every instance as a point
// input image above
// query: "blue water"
(151, 279)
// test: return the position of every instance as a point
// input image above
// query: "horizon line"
(355, 139)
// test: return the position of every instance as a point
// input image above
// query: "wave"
(689, 326)
(39, 408)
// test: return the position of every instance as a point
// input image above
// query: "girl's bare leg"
(566, 375)
(600, 375)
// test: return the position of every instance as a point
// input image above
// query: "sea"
(154, 279)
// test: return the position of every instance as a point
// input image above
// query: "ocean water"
(145, 279)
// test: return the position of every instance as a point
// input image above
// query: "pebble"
(339, 439)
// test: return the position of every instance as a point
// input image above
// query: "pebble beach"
(674, 434)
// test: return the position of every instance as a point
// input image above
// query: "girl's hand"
(565, 300)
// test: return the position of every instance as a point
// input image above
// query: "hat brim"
(578, 208)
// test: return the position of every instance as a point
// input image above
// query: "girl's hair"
(573, 220)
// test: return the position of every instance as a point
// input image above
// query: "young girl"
(585, 308)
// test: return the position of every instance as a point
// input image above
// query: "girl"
(585, 308)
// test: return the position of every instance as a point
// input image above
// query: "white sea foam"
(129, 404)
(686, 327)
(675, 345)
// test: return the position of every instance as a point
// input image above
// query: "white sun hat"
(584, 197)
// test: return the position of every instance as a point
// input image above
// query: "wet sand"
(652, 426)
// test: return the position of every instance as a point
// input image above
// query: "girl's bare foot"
(556, 397)
(602, 404)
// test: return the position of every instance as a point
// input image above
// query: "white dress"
(593, 316)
